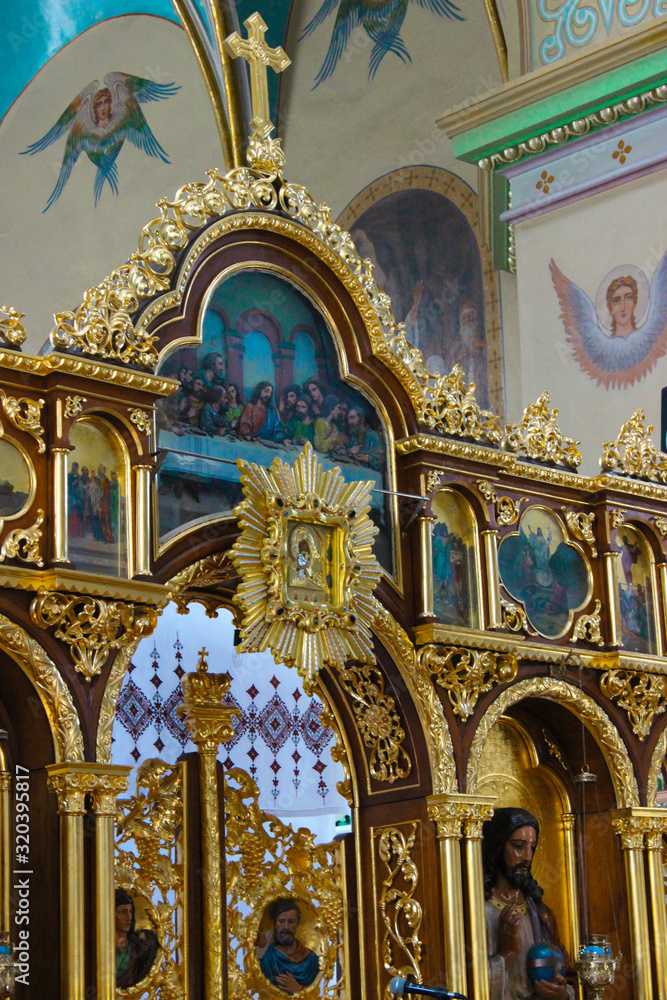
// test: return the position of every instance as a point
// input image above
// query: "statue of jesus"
(516, 917)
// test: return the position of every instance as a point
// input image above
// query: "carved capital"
(456, 814)
(465, 673)
(71, 785)
(640, 826)
(108, 786)
(91, 626)
(642, 695)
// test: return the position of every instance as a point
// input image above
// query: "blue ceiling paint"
(35, 30)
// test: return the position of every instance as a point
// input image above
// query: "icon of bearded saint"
(606, 341)
(99, 121)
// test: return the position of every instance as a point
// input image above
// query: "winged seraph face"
(98, 121)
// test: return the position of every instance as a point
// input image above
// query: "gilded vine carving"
(582, 705)
(74, 405)
(642, 695)
(656, 768)
(209, 572)
(507, 509)
(266, 860)
(466, 673)
(91, 626)
(455, 411)
(515, 618)
(148, 839)
(52, 689)
(401, 913)
(633, 453)
(141, 420)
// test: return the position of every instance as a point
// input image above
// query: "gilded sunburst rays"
(305, 557)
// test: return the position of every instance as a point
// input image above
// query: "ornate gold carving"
(23, 543)
(617, 517)
(305, 558)
(631, 830)
(98, 371)
(265, 860)
(588, 711)
(433, 478)
(515, 618)
(580, 525)
(74, 405)
(26, 415)
(554, 749)
(141, 420)
(466, 673)
(110, 698)
(453, 812)
(539, 437)
(208, 572)
(642, 695)
(71, 787)
(455, 411)
(53, 691)
(633, 453)
(587, 627)
(507, 510)
(90, 626)
(149, 839)
(378, 721)
(397, 903)
(12, 330)
(208, 721)
(661, 524)
(576, 128)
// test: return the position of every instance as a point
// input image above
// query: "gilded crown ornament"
(633, 453)
(305, 557)
(539, 437)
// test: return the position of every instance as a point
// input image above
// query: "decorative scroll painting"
(428, 260)
(635, 590)
(558, 28)
(97, 509)
(14, 480)
(263, 383)
(543, 571)
(455, 597)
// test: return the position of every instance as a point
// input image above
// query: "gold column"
(70, 782)
(60, 504)
(142, 562)
(110, 780)
(425, 541)
(5, 850)
(446, 814)
(492, 578)
(627, 823)
(571, 876)
(662, 570)
(612, 594)
(209, 723)
(656, 825)
(481, 809)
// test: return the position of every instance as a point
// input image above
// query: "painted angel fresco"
(382, 21)
(99, 121)
(607, 338)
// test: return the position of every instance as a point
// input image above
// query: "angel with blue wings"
(606, 341)
(382, 21)
(99, 121)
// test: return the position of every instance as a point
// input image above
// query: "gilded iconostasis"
(333, 512)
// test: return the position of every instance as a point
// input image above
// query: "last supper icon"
(313, 565)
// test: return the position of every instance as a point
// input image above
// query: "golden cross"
(202, 665)
(260, 56)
